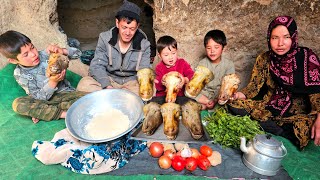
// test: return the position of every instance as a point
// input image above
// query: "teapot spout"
(243, 146)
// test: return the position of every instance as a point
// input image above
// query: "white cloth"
(86, 158)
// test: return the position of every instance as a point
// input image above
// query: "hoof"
(196, 136)
(172, 137)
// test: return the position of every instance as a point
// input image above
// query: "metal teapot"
(263, 154)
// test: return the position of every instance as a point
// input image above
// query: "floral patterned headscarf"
(291, 25)
(296, 72)
(283, 66)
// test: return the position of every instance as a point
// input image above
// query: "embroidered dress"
(292, 84)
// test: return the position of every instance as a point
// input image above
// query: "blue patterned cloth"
(86, 158)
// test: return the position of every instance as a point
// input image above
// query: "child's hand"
(205, 101)
(156, 81)
(109, 87)
(56, 49)
(186, 80)
(210, 104)
(55, 79)
(58, 77)
(180, 85)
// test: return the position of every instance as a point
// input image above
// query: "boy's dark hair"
(166, 41)
(217, 35)
(11, 43)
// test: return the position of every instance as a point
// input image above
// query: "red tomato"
(203, 163)
(169, 153)
(178, 163)
(191, 164)
(164, 162)
(202, 156)
(206, 150)
(156, 149)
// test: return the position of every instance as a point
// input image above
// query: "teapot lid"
(267, 145)
(268, 140)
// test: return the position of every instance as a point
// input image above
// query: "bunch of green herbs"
(226, 129)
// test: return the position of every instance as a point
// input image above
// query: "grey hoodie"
(108, 63)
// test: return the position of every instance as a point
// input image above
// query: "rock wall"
(37, 19)
(91, 17)
(244, 22)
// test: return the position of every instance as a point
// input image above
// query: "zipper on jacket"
(121, 70)
(122, 57)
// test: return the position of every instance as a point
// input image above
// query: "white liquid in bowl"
(107, 124)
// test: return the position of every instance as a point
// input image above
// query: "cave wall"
(244, 22)
(84, 20)
(37, 19)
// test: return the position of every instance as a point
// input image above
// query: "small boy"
(157, 111)
(167, 48)
(214, 43)
(48, 98)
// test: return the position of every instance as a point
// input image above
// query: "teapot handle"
(284, 149)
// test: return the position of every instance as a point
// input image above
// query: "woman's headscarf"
(296, 72)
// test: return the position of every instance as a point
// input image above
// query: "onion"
(195, 153)
(164, 162)
(169, 153)
(167, 146)
(156, 149)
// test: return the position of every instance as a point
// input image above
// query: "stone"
(244, 23)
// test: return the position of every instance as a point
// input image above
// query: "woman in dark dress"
(288, 77)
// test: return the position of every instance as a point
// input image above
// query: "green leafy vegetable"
(226, 129)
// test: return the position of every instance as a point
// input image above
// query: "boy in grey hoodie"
(48, 98)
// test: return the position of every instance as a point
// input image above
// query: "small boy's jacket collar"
(136, 40)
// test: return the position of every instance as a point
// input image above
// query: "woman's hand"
(238, 95)
(315, 131)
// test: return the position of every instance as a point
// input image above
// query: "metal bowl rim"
(68, 125)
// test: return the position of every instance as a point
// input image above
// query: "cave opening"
(83, 20)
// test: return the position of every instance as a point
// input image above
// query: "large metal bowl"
(84, 109)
